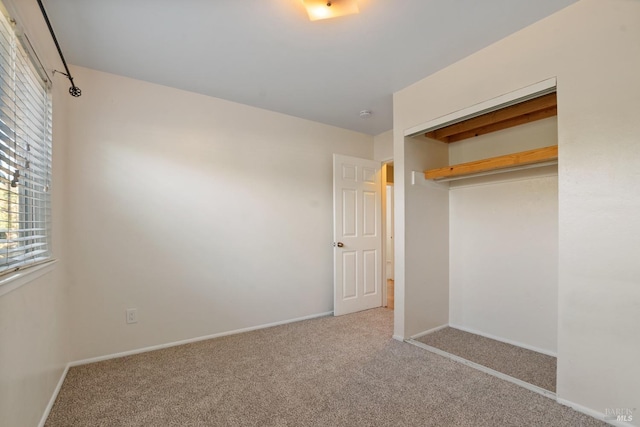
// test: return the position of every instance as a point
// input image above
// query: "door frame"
(383, 200)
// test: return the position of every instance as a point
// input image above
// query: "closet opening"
(495, 175)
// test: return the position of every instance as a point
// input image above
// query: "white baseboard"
(430, 331)
(54, 396)
(592, 413)
(47, 410)
(398, 338)
(192, 340)
(505, 340)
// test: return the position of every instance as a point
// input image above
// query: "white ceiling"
(266, 53)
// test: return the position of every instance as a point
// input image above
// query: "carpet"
(526, 365)
(331, 371)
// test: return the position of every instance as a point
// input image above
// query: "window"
(25, 156)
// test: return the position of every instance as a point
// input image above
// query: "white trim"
(592, 413)
(505, 340)
(520, 95)
(13, 281)
(398, 338)
(192, 340)
(531, 387)
(54, 396)
(430, 331)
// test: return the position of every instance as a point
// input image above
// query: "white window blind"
(25, 157)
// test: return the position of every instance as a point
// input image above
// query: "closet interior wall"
(503, 242)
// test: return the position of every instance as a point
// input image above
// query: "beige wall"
(427, 228)
(34, 344)
(34, 351)
(383, 146)
(205, 215)
(592, 48)
(504, 258)
(504, 242)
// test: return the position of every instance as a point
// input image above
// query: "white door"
(357, 234)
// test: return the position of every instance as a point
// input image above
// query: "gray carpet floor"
(526, 365)
(332, 371)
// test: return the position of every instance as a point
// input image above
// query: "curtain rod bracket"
(73, 90)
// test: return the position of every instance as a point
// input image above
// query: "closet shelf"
(515, 115)
(515, 161)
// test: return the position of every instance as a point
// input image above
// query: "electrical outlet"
(132, 315)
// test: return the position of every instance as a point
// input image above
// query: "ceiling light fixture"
(324, 9)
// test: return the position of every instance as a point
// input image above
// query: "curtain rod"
(73, 90)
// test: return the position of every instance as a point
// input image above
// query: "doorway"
(358, 244)
(388, 232)
(363, 234)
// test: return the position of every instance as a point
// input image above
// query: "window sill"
(14, 280)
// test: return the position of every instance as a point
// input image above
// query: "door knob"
(339, 244)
